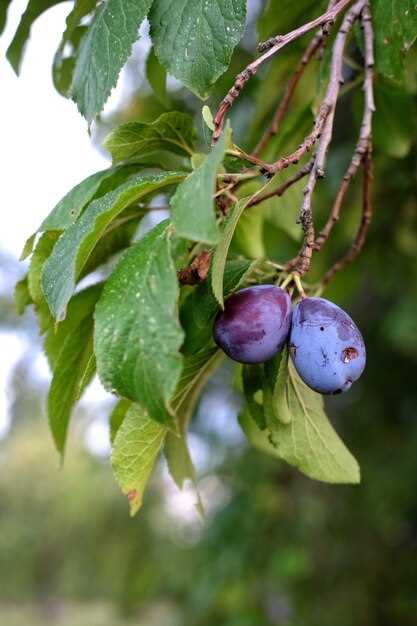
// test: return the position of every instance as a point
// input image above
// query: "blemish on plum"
(348, 354)
(293, 349)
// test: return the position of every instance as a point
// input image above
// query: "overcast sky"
(45, 147)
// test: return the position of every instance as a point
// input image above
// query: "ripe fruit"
(326, 346)
(254, 324)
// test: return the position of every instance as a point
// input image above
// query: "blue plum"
(326, 346)
(255, 323)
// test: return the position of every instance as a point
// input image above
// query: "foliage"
(131, 325)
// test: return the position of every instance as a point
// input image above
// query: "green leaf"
(75, 245)
(220, 254)
(3, 14)
(117, 416)
(80, 308)
(181, 466)
(22, 297)
(395, 29)
(74, 369)
(252, 380)
(394, 126)
(279, 407)
(280, 17)
(43, 250)
(283, 211)
(69, 208)
(69, 348)
(34, 9)
(193, 211)
(135, 450)
(249, 234)
(157, 77)
(104, 51)
(173, 132)
(64, 62)
(194, 40)
(308, 442)
(137, 334)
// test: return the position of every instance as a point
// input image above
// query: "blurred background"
(277, 548)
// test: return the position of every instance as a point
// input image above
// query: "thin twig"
(362, 145)
(282, 188)
(360, 237)
(301, 263)
(369, 106)
(314, 45)
(271, 47)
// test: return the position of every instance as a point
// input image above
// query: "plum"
(326, 346)
(255, 323)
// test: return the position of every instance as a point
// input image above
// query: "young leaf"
(220, 254)
(308, 442)
(173, 132)
(34, 9)
(192, 204)
(104, 51)
(395, 28)
(195, 40)
(157, 77)
(75, 245)
(137, 333)
(135, 450)
(117, 416)
(74, 369)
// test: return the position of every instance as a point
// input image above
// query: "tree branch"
(366, 158)
(301, 263)
(364, 134)
(269, 48)
(282, 188)
(314, 45)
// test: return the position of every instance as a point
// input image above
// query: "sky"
(46, 149)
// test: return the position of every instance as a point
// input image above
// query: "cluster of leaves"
(148, 338)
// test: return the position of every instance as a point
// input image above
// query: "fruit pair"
(325, 345)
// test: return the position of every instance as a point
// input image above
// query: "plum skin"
(255, 323)
(326, 346)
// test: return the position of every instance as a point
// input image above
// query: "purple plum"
(254, 324)
(326, 346)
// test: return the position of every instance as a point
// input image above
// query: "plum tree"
(326, 346)
(254, 324)
(243, 189)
